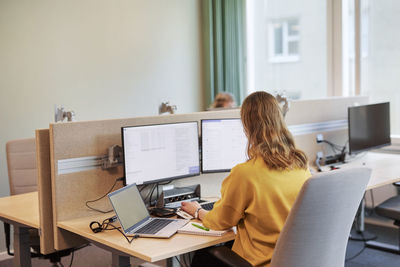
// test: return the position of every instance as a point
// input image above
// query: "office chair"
(390, 208)
(22, 175)
(317, 229)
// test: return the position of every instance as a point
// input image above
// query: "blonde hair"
(268, 134)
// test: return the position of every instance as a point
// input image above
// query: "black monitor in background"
(369, 127)
(155, 153)
(223, 144)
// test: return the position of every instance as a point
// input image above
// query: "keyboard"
(207, 206)
(153, 226)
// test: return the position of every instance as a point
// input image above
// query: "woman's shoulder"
(248, 166)
(258, 164)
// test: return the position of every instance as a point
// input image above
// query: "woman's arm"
(192, 207)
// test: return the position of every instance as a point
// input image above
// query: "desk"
(148, 249)
(385, 167)
(22, 211)
(385, 170)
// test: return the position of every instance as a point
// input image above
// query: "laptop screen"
(128, 205)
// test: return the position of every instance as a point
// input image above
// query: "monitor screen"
(369, 127)
(224, 144)
(154, 153)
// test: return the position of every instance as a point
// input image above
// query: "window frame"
(285, 57)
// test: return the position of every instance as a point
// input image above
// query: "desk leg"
(22, 251)
(170, 262)
(360, 234)
(173, 262)
(120, 261)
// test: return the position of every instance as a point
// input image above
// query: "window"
(380, 55)
(317, 48)
(284, 40)
(287, 47)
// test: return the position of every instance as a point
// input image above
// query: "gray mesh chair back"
(317, 229)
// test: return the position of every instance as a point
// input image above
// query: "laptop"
(135, 218)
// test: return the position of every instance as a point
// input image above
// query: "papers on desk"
(190, 229)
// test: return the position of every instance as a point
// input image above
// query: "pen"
(200, 227)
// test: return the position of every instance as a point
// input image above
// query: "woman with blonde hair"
(258, 194)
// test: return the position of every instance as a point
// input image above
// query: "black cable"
(61, 264)
(361, 251)
(143, 187)
(188, 258)
(72, 259)
(332, 144)
(148, 194)
(151, 195)
(119, 230)
(109, 191)
(157, 192)
(180, 264)
(357, 254)
(335, 148)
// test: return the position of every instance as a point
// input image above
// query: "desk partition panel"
(44, 191)
(74, 143)
(90, 140)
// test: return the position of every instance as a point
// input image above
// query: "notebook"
(135, 218)
(191, 229)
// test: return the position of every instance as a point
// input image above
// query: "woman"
(258, 194)
(224, 100)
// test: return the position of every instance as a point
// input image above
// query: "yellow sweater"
(257, 200)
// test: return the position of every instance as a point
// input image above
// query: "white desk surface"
(22, 209)
(385, 167)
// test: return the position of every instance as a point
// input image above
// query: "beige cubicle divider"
(73, 140)
(44, 191)
(309, 114)
(45, 197)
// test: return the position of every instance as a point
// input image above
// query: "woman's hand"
(190, 207)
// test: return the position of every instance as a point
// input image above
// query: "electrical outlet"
(320, 138)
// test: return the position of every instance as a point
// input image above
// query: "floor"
(372, 257)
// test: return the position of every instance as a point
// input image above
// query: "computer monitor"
(224, 144)
(369, 127)
(155, 153)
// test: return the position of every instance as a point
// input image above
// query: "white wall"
(102, 59)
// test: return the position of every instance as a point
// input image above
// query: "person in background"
(258, 194)
(224, 100)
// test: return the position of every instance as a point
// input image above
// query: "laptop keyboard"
(207, 206)
(153, 226)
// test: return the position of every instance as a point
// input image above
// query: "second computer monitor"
(154, 153)
(369, 127)
(224, 144)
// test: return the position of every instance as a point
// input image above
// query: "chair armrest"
(228, 257)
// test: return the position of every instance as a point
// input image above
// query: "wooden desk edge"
(23, 220)
(66, 225)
